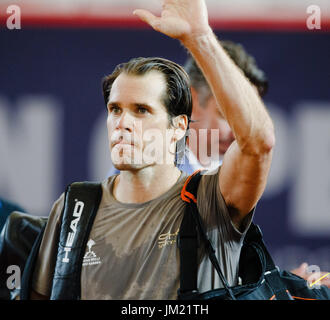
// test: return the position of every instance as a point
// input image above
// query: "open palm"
(179, 18)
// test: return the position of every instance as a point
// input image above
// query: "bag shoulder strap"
(188, 241)
(82, 200)
(191, 227)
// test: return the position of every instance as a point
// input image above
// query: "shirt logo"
(90, 258)
(167, 239)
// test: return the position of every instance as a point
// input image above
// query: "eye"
(114, 109)
(142, 110)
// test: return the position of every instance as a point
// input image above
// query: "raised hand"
(180, 19)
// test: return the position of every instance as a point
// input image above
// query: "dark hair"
(241, 58)
(177, 98)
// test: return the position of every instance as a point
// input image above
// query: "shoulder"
(56, 210)
(209, 197)
(209, 182)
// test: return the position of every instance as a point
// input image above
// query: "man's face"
(137, 121)
(209, 117)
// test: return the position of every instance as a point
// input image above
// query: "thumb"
(303, 266)
(302, 269)
(148, 17)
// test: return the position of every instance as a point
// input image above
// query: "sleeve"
(45, 264)
(214, 211)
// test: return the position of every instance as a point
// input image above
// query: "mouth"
(122, 142)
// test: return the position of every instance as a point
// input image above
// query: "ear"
(180, 124)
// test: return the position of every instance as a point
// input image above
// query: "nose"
(125, 122)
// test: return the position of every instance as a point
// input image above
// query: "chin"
(126, 167)
(122, 157)
(128, 164)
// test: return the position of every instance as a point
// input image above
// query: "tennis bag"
(261, 279)
(19, 234)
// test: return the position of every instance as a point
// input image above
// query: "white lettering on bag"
(77, 211)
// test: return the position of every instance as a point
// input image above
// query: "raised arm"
(246, 164)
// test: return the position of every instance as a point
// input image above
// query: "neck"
(145, 184)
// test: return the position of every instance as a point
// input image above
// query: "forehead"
(146, 88)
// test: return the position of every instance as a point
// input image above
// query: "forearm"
(240, 104)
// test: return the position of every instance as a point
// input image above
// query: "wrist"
(194, 40)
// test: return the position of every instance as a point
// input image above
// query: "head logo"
(77, 211)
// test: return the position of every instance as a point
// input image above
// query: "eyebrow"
(144, 105)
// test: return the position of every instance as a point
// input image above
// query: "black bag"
(261, 279)
(21, 238)
(16, 240)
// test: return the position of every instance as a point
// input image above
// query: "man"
(135, 228)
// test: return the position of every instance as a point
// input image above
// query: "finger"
(301, 271)
(326, 282)
(147, 17)
(303, 267)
